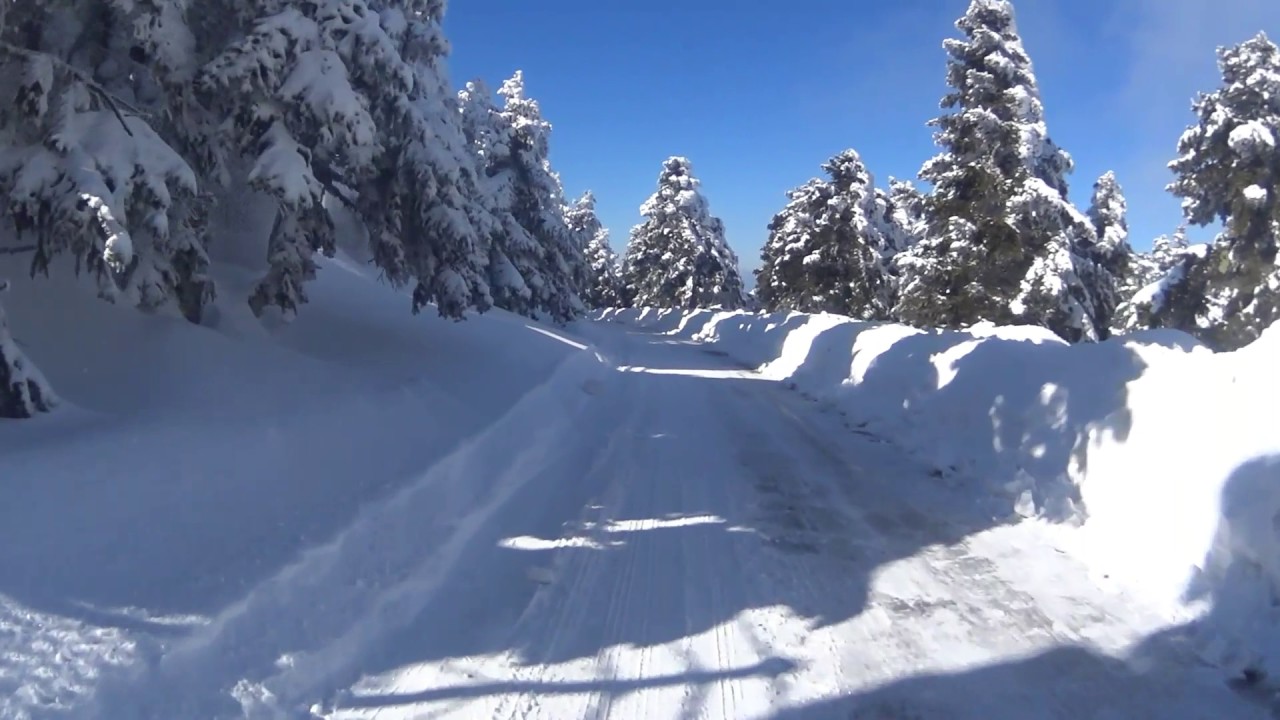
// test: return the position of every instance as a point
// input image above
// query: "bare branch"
(110, 102)
(18, 250)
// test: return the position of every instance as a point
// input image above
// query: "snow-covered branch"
(111, 101)
(23, 390)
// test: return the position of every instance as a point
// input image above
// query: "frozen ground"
(367, 514)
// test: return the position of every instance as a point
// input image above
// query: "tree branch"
(323, 173)
(18, 249)
(111, 101)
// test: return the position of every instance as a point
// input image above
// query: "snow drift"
(1154, 453)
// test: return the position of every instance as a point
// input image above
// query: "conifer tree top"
(1108, 207)
(992, 63)
(845, 167)
(524, 115)
(513, 87)
(995, 99)
(677, 189)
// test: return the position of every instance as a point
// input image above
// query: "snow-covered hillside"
(1157, 449)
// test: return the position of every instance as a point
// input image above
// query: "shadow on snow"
(829, 537)
(826, 538)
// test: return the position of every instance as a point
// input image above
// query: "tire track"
(559, 613)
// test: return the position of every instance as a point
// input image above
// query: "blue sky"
(759, 94)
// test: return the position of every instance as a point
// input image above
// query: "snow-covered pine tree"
(602, 285)
(1228, 169)
(81, 169)
(513, 263)
(288, 88)
(1146, 268)
(430, 174)
(1108, 211)
(1150, 275)
(1003, 244)
(900, 215)
(1109, 275)
(678, 257)
(825, 248)
(537, 202)
(535, 264)
(580, 218)
(1167, 251)
(901, 221)
(339, 97)
(23, 390)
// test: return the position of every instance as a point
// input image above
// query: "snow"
(1256, 195)
(1154, 294)
(1251, 139)
(193, 463)
(319, 81)
(367, 513)
(110, 170)
(282, 168)
(1147, 446)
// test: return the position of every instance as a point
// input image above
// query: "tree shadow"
(1240, 577)
(611, 690)
(1231, 654)
(1003, 416)
(1063, 683)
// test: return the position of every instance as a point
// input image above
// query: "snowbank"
(187, 465)
(1162, 452)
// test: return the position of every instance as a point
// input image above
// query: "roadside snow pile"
(1165, 451)
(187, 465)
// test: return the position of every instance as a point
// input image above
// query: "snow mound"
(1152, 451)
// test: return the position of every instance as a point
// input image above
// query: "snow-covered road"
(680, 538)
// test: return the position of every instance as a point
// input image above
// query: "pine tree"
(1002, 242)
(80, 169)
(1146, 268)
(23, 390)
(901, 222)
(338, 98)
(429, 175)
(1108, 212)
(824, 252)
(538, 202)
(601, 286)
(900, 215)
(678, 257)
(1150, 275)
(1228, 169)
(535, 265)
(513, 254)
(150, 100)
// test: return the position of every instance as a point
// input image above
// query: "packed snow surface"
(368, 514)
(1159, 450)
